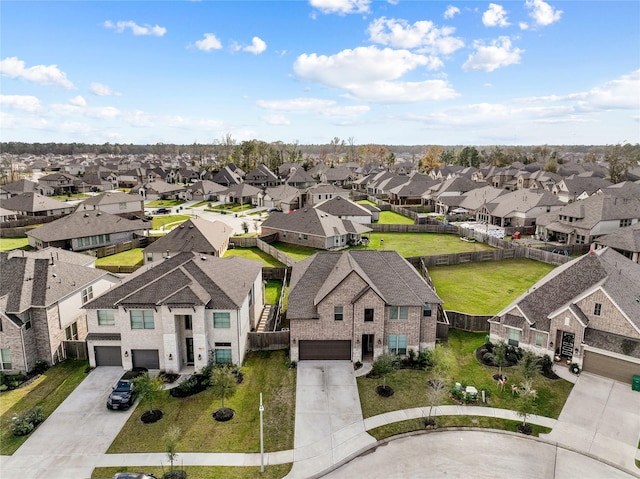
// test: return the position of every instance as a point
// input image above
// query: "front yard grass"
(132, 257)
(231, 207)
(9, 244)
(275, 471)
(485, 288)
(163, 203)
(256, 254)
(264, 372)
(47, 392)
(410, 385)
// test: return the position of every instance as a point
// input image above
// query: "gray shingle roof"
(312, 221)
(339, 206)
(33, 202)
(625, 239)
(110, 199)
(196, 234)
(386, 272)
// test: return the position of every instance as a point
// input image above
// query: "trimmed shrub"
(27, 421)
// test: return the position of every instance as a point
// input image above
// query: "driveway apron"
(329, 426)
(71, 440)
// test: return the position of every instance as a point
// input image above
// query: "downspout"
(238, 335)
(24, 351)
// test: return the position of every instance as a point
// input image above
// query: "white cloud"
(257, 46)
(276, 120)
(296, 104)
(208, 43)
(404, 92)
(523, 26)
(40, 74)
(341, 7)
(499, 53)
(543, 13)
(99, 89)
(78, 101)
(137, 30)
(423, 35)
(451, 11)
(27, 103)
(495, 16)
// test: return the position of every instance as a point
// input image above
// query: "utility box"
(635, 382)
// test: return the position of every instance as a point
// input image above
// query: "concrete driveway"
(329, 426)
(601, 417)
(70, 441)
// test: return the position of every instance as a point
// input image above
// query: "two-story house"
(183, 311)
(357, 304)
(121, 204)
(586, 311)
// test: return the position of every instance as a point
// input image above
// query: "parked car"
(162, 211)
(123, 394)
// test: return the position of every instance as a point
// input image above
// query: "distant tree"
(447, 157)
(551, 166)
(469, 156)
(431, 159)
(621, 158)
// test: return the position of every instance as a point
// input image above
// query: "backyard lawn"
(163, 203)
(264, 372)
(47, 392)
(256, 254)
(9, 244)
(485, 288)
(272, 291)
(410, 385)
(169, 221)
(393, 218)
(132, 257)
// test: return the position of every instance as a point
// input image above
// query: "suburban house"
(24, 186)
(323, 191)
(203, 190)
(41, 298)
(229, 175)
(346, 210)
(315, 228)
(625, 241)
(299, 178)
(518, 208)
(585, 220)
(195, 234)
(578, 187)
(357, 304)
(241, 193)
(261, 177)
(7, 215)
(86, 230)
(410, 192)
(339, 176)
(472, 201)
(586, 311)
(121, 204)
(158, 190)
(60, 182)
(283, 197)
(33, 204)
(183, 311)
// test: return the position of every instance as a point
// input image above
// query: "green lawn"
(163, 203)
(75, 196)
(393, 218)
(264, 372)
(410, 385)
(487, 287)
(47, 392)
(296, 252)
(132, 257)
(169, 221)
(276, 471)
(272, 291)
(9, 244)
(256, 254)
(231, 207)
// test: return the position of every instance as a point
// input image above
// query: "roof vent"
(203, 258)
(86, 215)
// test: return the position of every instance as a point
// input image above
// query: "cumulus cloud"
(296, 104)
(137, 30)
(208, 43)
(99, 89)
(542, 13)
(27, 103)
(495, 16)
(276, 120)
(423, 35)
(40, 74)
(257, 46)
(78, 101)
(341, 7)
(451, 11)
(404, 92)
(499, 53)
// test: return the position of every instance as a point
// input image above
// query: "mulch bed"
(152, 416)
(385, 391)
(169, 378)
(525, 429)
(223, 414)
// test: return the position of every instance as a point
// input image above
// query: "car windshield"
(123, 386)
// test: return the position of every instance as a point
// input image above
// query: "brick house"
(357, 304)
(41, 298)
(177, 313)
(586, 311)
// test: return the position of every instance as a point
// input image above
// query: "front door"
(189, 350)
(566, 347)
(367, 346)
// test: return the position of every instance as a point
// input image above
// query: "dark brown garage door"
(609, 367)
(325, 350)
(146, 358)
(108, 355)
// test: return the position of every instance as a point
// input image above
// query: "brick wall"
(610, 320)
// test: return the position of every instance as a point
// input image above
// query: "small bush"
(194, 385)
(27, 421)
(40, 367)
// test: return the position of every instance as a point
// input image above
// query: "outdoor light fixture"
(357, 341)
(199, 357)
(126, 354)
(170, 357)
(379, 341)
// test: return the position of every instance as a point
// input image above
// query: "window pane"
(337, 313)
(148, 319)
(136, 319)
(5, 353)
(392, 343)
(223, 356)
(393, 313)
(426, 310)
(402, 345)
(404, 312)
(221, 320)
(105, 317)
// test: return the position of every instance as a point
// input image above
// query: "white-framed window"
(539, 339)
(87, 294)
(399, 312)
(141, 319)
(5, 359)
(149, 256)
(71, 332)
(397, 343)
(106, 317)
(597, 309)
(222, 320)
(426, 310)
(223, 353)
(338, 314)
(514, 337)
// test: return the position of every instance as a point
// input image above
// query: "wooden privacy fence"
(75, 350)
(269, 340)
(468, 322)
(276, 253)
(140, 242)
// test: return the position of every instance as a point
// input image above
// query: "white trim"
(559, 311)
(610, 354)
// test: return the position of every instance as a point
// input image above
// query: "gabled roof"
(521, 201)
(195, 234)
(297, 174)
(187, 279)
(414, 187)
(625, 239)
(283, 193)
(339, 206)
(242, 190)
(596, 208)
(33, 202)
(577, 184)
(111, 199)
(474, 199)
(339, 173)
(55, 255)
(86, 223)
(313, 222)
(206, 187)
(20, 186)
(388, 274)
(259, 172)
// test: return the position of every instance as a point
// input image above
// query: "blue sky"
(387, 72)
